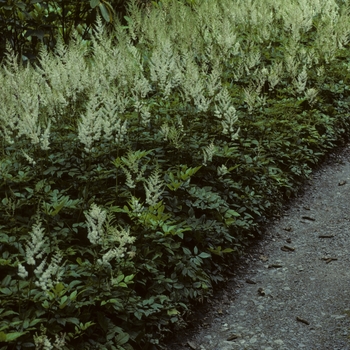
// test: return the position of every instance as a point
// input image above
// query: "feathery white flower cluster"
(117, 240)
(91, 124)
(226, 113)
(35, 249)
(208, 153)
(113, 240)
(29, 158)
(22, 272)
(163, 67)
(300, 82)
(136, 206)
(310, 95)
(193, 84)
(275, 74)
(153, 187)
(43, 342)
(20, 89)
(96, 217)
(45, 275)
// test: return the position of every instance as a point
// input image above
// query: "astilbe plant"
(135, 167)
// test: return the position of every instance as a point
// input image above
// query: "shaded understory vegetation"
(136, 166)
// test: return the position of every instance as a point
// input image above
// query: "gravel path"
(293, 290)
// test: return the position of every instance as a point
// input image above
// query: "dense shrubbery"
(28, 25)
(135, 167)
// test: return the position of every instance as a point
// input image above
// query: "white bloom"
(34, 248)
(54, 269)
(208, 153)
(91, 124)
(95, 220)
(22, 272)
(153, 188)
(29, 158)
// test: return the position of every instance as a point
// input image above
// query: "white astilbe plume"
(145, 115)
(117, 240)
(226, 113)
(141, 86)
(275, 74)
(153, 188)
(112, 240)
(163, 67)
(35, 247)
(252, 56)
(213, 82)
(143, 111)
(300, 82)
(113, 126)
(22, 272)
(29, 158)
(109, 117)
(96, 217)
(121, 128)
(51, 275)
(29, 125)
(192, 84)
(43, 342)
(44, 138)
(310, 95)
(136, 206)
(208, 153)
(91, 124)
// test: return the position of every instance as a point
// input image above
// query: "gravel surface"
(292, 291)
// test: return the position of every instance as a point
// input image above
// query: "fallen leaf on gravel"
(289, 240)
(261, 292)
(287, 248)
(302, 320)
(232, 337)
(341, 183)
(328, 260)
(276, 266)
(263, 258)
(308, 218)
(192, 345)
(250, 281)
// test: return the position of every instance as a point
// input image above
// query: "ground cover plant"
(136, 166)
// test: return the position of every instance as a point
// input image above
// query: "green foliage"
(28, 25)
(135, 168)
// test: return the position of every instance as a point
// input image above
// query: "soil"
(292, 289)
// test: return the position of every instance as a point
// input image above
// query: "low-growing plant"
(134, 171)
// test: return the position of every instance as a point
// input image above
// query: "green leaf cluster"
(134, 171)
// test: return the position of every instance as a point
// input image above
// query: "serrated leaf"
(6, 291)
(172, 312)
(94, 3)
(122, 338)
(105, 13)
(128, 278)
(204, 255)
(73, 320)
(10, 336)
